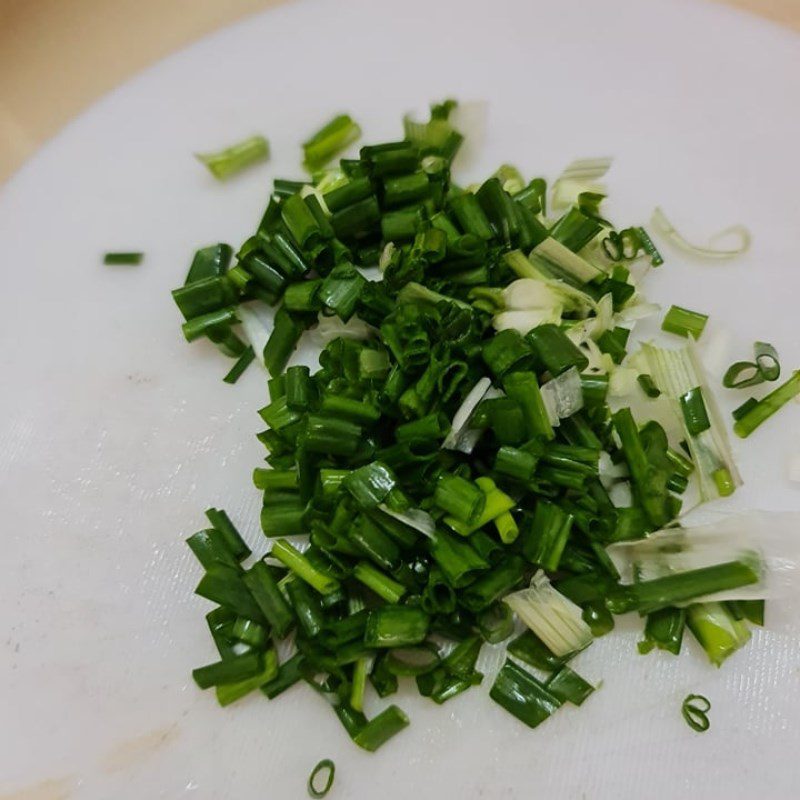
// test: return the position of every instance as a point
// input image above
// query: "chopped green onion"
(380, 729)
(123, 258)
(683, 322)
(242, 363)
(302, 567)
(519, 693)
(695, 710)
(396, 626)
(313, 786)
(235, 158)
(329, 140)
(762, 410)
(568, 686)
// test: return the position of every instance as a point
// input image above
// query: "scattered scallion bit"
(327, 769)
(225, 163)
(452, 467)
(743, 374)
(329, 140)
(132, 258)
(683, 322)
(695, 710)
(763, 409)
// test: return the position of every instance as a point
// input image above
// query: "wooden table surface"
(57, 56)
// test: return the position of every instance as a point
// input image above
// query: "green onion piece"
(513, 463)
(460, 498)
(456, 558)
(649, 483)
(750, 419)
(210, 262)
(228, 693)
(380, 729)
(242, 363)
(208, 323)
(235, 158)
(568, 686)
(744, 408)
(495, 623)
(523, 696)
(683, 322)
(544, 540)
(372, 485)
(412, 661)
(307, 607)
(493, 585)
(523, 388)
(652, 595)
(329, 140)
(396, 626)
(381, 584)
(299, 220)
(383, 681)
(229, 670)
(528, 647)
(506, 349)
(694, 412)
(751, 610)
(313, 790)
(299, 564)
(594, 388)
(123, 258)
(470, 216)
(221, 522)
(210, 549)
(575, 230)
(767, 361)
(282, 342)
(664, 630)
(331, 436)
(656, 259)
(349, 193)
(719, 633)
(556, 350)
(269, 598)
(648, 386)
(289, 673)
(303, 296)
(695, 710)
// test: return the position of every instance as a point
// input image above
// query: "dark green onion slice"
(568, 686)
(695, 710)
(523, 696)
(242, 363)
(328, 768)
(235, 158)
(131, 258)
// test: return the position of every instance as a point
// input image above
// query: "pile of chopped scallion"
(478, 452)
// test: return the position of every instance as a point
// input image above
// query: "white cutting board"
(115, 434)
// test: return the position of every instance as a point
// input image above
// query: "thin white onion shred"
(330, 328)
(415, 518)
(563, 395)
(738, 233)
(257, 323)
(524, 321)
(582, 175)
(465, 411)
(555, 619)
